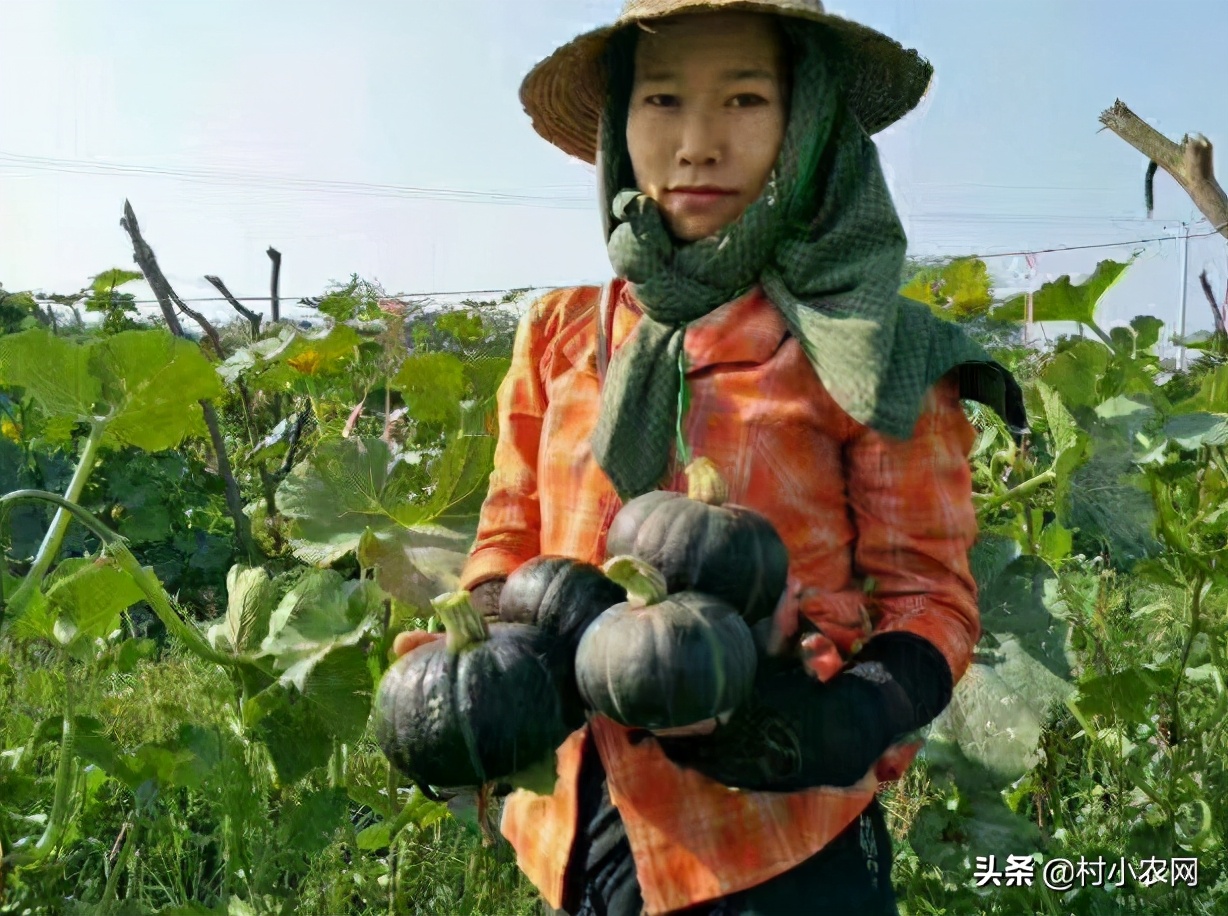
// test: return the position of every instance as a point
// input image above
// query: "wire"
(238, 178)
(308, 300)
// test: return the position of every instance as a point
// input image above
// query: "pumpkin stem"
(705, 483)
(464, 623)
(644, 583)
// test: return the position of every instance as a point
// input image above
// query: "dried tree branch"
(1215, 309)
(162, 289)
(275, 256)
(253, 318)
(1188, 162)
(144, 257)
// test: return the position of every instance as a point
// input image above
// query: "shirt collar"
(748, 329)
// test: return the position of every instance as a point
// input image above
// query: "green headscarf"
(825, 243)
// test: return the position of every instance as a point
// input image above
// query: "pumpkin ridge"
(459, 680)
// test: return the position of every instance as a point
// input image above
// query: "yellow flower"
(10, 430)
(308, 362)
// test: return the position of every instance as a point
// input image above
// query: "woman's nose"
(700, 142)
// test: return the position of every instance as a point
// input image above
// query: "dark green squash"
(661, 661)
(700, 544)
(477, 706)
(561, 597)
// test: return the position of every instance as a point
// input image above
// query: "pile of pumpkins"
(658, 638)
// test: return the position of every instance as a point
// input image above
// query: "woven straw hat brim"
(564, 94)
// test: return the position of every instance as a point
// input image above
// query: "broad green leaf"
(416, 564)
(321, 611)
(1212, 396)
(377, 836)
(991, 724)
(55, 373)
(1147, 331)
(1062, 426)
(250, 599)
(321, 353)
(152, 381)
(351, 485)
(346, 486)
(1023, 603)
(1107, 500)
(92, 594)
(462, 477)
(1055, 544)
(1075, 372)
(110, 279)
(337, 683)
(1193, 430)
(1060, 300)
(1127, 695)
(298, 738)
(29, 615)
(307, 825)
(960, 289)
(432, 385)
(254, 355)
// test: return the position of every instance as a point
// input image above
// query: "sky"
(236, 125)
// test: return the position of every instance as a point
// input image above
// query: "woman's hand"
(484, 596)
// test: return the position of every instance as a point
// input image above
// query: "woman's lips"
(697, 201)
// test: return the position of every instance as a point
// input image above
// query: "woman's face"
(708, 110)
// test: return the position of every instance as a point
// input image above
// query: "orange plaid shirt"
(854, 508)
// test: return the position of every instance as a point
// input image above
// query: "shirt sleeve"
(911, 501)
(509, 525)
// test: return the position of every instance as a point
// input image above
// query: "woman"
(758, 257)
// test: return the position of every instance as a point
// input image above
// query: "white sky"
(1004, 154)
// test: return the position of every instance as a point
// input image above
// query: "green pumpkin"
(700, 544)
(661, 661)
(561, 597)
(478, 706)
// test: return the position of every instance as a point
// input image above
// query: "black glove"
(798, 732)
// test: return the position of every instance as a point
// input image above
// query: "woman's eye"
(662, 100)
(747, 99)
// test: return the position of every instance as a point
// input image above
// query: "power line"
(305, 300)
(264, 180)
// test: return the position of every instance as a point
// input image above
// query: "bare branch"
(254, 318)
(1189, 163)
(144, 256)
(1219, 316)
(275, 256)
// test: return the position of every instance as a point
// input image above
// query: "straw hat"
(565, 93)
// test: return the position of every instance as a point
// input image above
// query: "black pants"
(850, 876)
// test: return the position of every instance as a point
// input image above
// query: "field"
(210, 544)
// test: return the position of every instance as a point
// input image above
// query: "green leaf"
(351, 485)
(1075, 372)
(1147, 331)
(110, 279)
(377, 836)
(309, 823)
(55, 374)
(432, 385)
(92, 594)
(152, 381)
(1212, 395)
(321, 611)
(416, 564)
(1126, 696)
(1062, 426)
(347, 486)
(254, 355)
(298, 739)
(1192, 430)
(1023, 604)
(1060, 300)
(250, 599)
